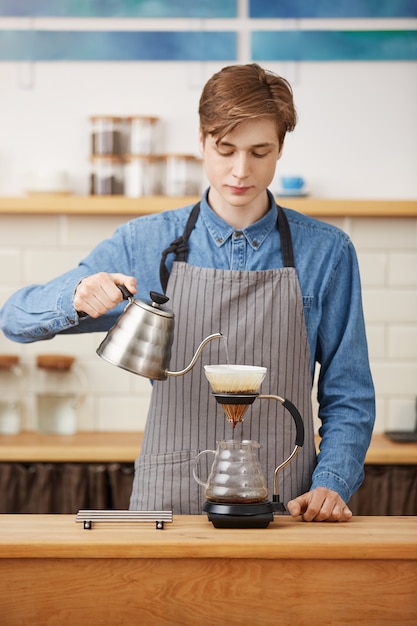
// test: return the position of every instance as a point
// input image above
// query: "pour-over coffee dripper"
(235, 387)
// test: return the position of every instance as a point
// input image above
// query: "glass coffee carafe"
(236, 474)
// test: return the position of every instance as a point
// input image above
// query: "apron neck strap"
(286, 240)
(179, 247)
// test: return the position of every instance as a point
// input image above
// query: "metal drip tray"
(88, 517)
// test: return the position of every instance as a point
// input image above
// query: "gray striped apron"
(261, 314)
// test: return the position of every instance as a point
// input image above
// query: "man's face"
(241, 165)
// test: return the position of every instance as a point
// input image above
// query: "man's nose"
(241, 166)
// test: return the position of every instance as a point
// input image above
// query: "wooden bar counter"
(53, 572)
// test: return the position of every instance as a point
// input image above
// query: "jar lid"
(7, 361)
(143, 157)
(145, 118)
(107, 118)
(107, 158)
(61, 362)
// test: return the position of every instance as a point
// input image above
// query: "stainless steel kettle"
(141, 339)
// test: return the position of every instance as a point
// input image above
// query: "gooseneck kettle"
(141, 339)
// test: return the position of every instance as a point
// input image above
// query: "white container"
(10, 394)
(46, 182)
(106, 135)
(142, 134)
(143, 175)
(106, 176)
(182, 175)
(59, 392)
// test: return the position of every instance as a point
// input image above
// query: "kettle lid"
(154, 305)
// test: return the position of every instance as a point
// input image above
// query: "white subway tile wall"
(36, 248)
(387, 257)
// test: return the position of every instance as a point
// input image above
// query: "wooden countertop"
(54, 204)
(123, 447)
(54, 571)
(49, 536)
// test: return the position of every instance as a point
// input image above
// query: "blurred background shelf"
(49, 474)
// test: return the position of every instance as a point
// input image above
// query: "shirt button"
(219, 240)
(71, 321)
(238, 233)
(255, 244)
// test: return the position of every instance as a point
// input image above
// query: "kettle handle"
(196, 464)
(157, 298)
(125, 292)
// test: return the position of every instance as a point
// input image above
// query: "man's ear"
(280, 151)
(201, 141)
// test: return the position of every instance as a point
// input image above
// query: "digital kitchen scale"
(251, 515)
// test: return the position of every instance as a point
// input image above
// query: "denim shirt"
(328, 273)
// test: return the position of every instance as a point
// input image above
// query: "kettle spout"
(196, 355)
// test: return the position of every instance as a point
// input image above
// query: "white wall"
(356, 138)
(357, 131)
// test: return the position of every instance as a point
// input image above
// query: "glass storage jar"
(59, 392)
(143, 175)
(10, 394)
(142, 134)
(106, 134)
(106, 176)
(182, 175)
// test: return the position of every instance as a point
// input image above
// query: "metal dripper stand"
(235, 404)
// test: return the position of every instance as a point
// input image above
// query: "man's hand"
(97, 294)
(320, 505)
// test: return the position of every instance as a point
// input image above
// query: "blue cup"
(292, 183)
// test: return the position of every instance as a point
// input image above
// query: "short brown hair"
(241, 92)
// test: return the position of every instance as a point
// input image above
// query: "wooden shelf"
(83, 447)
(49, 204)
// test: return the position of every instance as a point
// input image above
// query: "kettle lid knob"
(158, 298)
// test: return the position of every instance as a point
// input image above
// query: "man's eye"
(259, 155)
(225, 154)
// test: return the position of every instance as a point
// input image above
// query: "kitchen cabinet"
(191, 573)
(94, 470)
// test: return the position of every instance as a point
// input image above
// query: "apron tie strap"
(178, 247)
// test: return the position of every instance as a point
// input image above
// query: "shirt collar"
(255, 234)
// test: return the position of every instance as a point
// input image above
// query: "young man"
(283, 288)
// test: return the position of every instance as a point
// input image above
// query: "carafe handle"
(196, 464)
(299, 436)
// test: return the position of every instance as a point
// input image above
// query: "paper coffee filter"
(235, 378)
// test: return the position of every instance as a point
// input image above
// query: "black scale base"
(257, 515)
